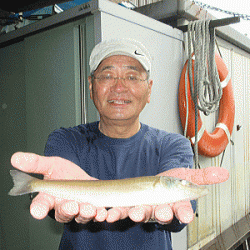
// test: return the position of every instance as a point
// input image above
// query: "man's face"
(120, 101)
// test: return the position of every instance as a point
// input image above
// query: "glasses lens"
(105, 79)
(132, 80)
(108, 79)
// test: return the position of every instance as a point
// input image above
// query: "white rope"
(206, 77)
(206, 91)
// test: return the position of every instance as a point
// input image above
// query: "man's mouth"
(119, 101)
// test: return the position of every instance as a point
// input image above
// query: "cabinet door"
(43, 86)
(52, 83)
(52, 77)
(14, 212)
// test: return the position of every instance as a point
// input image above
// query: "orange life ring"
(209, 144)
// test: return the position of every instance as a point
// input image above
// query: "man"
(116, 147)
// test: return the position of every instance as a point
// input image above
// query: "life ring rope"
(225, 82)
(225, 128)
(200, 134)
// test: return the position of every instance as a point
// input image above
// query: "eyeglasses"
(107, 79)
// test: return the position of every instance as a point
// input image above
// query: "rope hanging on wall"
(206, 91)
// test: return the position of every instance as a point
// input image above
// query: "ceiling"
(21, 6)
(11, 7)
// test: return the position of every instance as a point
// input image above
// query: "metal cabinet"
(44, 87)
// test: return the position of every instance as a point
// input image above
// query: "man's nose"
(119, 85)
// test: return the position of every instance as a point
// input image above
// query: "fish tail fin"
(22, 183)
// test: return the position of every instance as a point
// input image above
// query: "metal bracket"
(216, 23)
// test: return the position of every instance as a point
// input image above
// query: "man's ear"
(90, 87)
(150, 84)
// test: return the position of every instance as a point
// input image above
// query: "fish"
(146, 190)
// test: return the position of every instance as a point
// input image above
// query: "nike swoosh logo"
(136, 53)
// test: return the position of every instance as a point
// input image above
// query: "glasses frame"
(93, 77)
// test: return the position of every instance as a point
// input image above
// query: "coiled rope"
(206, 90)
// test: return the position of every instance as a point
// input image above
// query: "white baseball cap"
(122, 46)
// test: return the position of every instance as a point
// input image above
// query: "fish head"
(185, 190)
